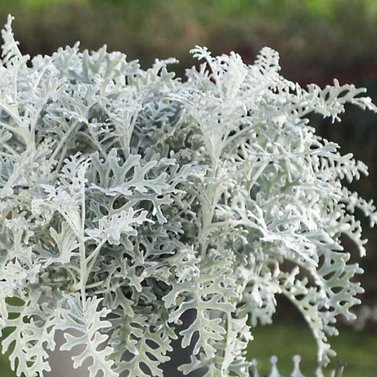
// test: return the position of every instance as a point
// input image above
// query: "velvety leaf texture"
(130, 198)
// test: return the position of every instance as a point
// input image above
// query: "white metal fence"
(296, 372)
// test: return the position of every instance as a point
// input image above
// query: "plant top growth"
(130, 197)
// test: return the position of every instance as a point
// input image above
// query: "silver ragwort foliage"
(129, 197)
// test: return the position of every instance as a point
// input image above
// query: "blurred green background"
(317, 41)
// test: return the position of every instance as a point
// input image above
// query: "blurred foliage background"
(318, 40)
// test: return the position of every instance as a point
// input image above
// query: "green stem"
(208, 206)
(92, 257)
(83, 263)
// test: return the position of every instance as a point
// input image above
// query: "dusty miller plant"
(129, 197)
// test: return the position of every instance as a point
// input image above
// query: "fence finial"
(274, 369)
(254, 363)
(296, 371)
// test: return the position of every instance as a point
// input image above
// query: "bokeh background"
(318, 40)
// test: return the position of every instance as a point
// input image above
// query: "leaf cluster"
(130, 197)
